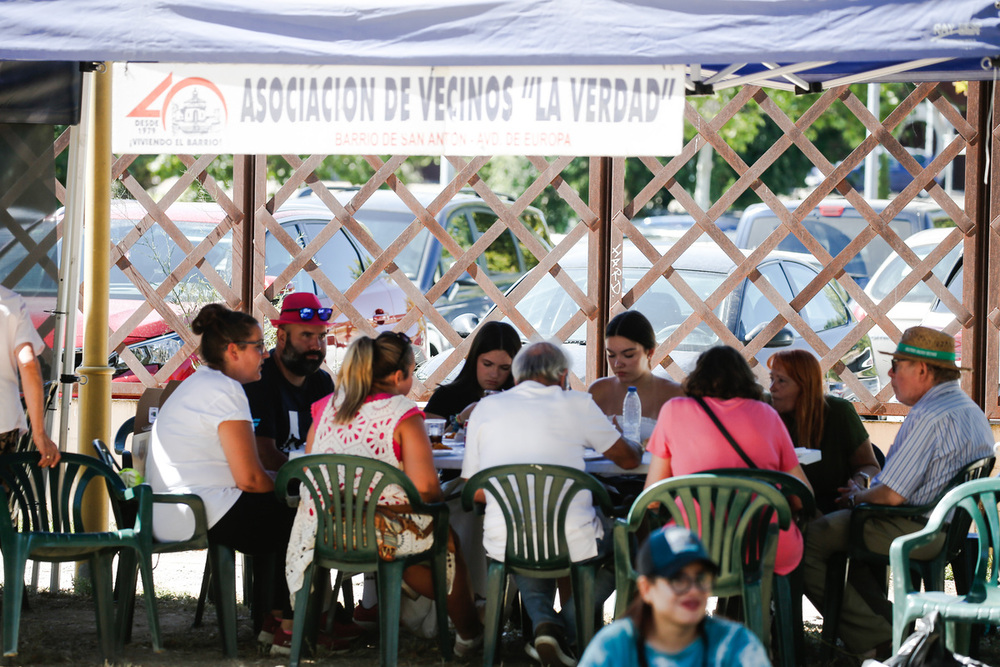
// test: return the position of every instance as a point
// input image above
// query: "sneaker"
(551, 646)
(267, 628)
(367, 618)
(466, 647)
(282, 643)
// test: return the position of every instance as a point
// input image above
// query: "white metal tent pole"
(871, 160)
(69, 279)
(69, 268)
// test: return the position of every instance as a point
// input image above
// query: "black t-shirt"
(843, 432)
(449, 400)
(274, 401)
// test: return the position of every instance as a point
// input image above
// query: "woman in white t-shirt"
(203, 443)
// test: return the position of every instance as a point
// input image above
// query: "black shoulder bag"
(715, 420)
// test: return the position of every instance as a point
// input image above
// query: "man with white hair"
(540, 421)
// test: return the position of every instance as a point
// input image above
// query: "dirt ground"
(58, 630)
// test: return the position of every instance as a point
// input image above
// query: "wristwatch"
(866, 479)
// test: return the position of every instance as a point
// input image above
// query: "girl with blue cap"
(667, 625)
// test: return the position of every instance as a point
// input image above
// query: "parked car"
(424, 260)
(940, 315)
(834, 224)
(899, 177)
(157, 253)
(703, 267)
(671, 227)
(914, 306)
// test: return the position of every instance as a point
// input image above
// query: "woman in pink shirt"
(686, 440)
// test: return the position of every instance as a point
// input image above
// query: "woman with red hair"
(819, 421)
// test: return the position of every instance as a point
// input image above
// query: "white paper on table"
(807, 456)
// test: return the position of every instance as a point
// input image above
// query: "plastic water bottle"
(632, 416)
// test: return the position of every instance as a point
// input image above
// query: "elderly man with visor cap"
(943, 432)
(291, 379)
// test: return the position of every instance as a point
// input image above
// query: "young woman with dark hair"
(370, 416)
(686, 440)
(667, 623)
(487, 368)
(630, 342)
(819, 421)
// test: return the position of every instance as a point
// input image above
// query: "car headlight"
(152, 352)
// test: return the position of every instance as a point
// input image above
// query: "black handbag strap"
(715, 420)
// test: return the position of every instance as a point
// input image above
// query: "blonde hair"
(367, 362)
(810, 408)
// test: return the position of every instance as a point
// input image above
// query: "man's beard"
(301, 363)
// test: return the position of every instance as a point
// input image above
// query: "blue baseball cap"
(669, 550)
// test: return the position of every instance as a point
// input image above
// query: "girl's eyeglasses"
(259, 344)
(681, 583)
(306, 314)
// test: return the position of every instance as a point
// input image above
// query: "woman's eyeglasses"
(306, 314)
(259, 344)
(681, 583)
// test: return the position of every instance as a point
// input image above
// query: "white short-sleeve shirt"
(16, 329)
(185, 452)
(535, 423)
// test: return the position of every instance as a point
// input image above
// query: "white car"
(703, 267)
(914, 306)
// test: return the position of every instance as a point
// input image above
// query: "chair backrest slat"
(345, 491)
(535, 501)
(736, 518)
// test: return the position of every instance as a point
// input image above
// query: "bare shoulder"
(667, 389)
(604, 391)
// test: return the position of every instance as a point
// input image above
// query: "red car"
(133, 321)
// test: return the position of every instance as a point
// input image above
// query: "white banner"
(274, 109)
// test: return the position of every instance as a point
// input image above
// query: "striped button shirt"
(944, 432)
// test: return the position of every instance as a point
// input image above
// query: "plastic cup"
(435, 430)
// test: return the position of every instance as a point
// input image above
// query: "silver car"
(744, 311)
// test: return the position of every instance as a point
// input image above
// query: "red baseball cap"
(302, 308)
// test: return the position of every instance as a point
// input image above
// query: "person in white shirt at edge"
(540, 421)
(21, 344)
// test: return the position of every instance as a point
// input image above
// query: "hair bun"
(207, 318)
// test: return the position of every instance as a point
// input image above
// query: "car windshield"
(385, 227)
(834, 233)
(896, 269)
(548, 307)
(155, 255)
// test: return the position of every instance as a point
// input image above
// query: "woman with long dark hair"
(819, 421)
(667, 622)
(370, 416)
(487, 368)
(686, 440)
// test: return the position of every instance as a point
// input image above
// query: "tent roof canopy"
(724, 43)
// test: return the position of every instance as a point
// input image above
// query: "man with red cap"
(291, 379)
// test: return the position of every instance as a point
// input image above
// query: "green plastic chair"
(931, 571)
(45, 523)
(536, 537)
(346, 540)
(732, 516)
(976, 500)
(224, 586)
(788, 588)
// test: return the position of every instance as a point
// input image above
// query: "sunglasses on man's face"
(306, 314)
